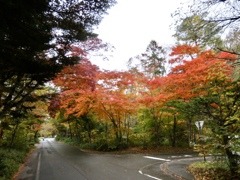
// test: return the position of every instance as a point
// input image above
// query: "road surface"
(52, 160)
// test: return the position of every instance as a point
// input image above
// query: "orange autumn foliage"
(114, 97)
(191, 78)
(182, 51)
(77, 84)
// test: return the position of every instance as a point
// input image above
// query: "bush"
(10, 161)
(88, 146)
(73, 141)
(216, 170)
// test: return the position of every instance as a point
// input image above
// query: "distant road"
(53, 160)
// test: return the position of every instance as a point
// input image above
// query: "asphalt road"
(52, 160)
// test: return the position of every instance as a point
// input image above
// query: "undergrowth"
(210, 170)
(10, 161)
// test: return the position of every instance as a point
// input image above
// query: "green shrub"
(57, 138)
(10, 160)
(216, 170)
(87, 146)
(73, 142)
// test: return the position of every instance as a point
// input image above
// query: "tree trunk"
(189, 125)
(1, 135)
(89, 134)
(157, 130)
(106, 132)
(232, 159)
(35, 135)
(115, 127)
(174, 131)
(127, 127)
(13, 135)
(70, 129)
(77, 131)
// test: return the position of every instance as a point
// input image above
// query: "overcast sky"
(130, 26)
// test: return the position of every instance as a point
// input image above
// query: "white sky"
(130, 26)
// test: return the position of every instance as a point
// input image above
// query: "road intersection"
(54, 160)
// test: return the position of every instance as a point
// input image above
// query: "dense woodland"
(50, 88)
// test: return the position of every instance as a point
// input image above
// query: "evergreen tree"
(35, 40)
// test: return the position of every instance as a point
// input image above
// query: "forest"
(50, 88)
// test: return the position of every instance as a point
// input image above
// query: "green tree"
(221, 106)
(191, 31)
(152, 62)
(35, 40)
(208, 81)
(189, 110)
(218, 18)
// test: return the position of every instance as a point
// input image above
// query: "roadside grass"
(10, 161)
(210, 170)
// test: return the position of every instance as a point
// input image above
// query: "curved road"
(52, 160)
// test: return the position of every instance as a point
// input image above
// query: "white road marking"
(155, 158)
(187, 155)
(176, 156)
(38, 167)
(149, 175)
(181, 156)
(161, 159)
